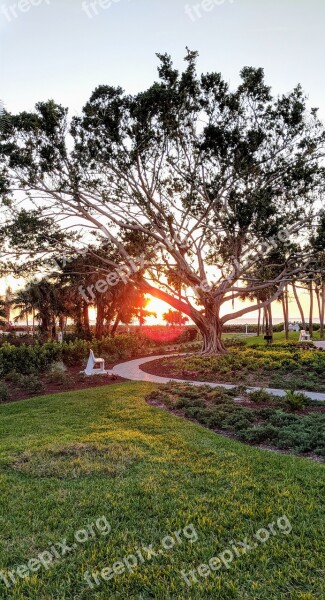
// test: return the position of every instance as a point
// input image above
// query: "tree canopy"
(191, 182)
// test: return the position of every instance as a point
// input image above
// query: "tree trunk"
(78, 320)
(259, 323)
(285, 305)
(302, 315)
(85, 314)
(116, 324)
(45, 326)
(322, 312)
(211, 329)
(61, 323)
(317, 292)
(311, 309)
(269, 308)
(212, 343)
(286, 333)
(100, 319)
(266, 321)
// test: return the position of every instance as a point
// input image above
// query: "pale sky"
(54, 50)
(63, 49)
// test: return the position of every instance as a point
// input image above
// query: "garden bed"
(292, 424)
(43, 384)
(285, 367)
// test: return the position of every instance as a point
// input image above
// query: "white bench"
(304, 336)
(91, 365)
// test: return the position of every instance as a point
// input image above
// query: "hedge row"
(27, 359)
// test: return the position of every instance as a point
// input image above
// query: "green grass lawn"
(278, 338)
(68, 459)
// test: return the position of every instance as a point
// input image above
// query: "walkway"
(131, 370)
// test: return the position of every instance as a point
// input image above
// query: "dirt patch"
(165, 368)
(75, 461)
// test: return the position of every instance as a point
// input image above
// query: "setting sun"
(159, 307)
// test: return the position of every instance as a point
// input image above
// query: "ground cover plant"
(281, 366)
(291, 423)
(70, 459)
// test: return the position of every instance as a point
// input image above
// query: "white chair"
(304, 336)
(91, 365)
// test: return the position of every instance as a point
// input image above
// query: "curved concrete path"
(131, 370)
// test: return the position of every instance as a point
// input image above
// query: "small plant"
(12, 376)
(4, 392)
(30, 383)
(295, 400)
(58, 367)
(63, 379)
(58, 375)
(260, 396)
(239, 390)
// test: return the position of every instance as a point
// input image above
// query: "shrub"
(12, 376)
(185, 402)
(31, 383)
(260, 434)
(201, 414)
(260, 396)
(282, 366)
(57, 367)
(28, 359)
(239, 390)
(57, 372)
(238, 421)
(295, 400)
(4, 392)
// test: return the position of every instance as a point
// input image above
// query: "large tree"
(207, 179)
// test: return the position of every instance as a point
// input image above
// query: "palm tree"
(37, 299)
(22, 302)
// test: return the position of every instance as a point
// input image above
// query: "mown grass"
(278, 338)
(168, 473)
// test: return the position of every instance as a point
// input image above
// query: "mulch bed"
(156, 367)
(80, 382)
